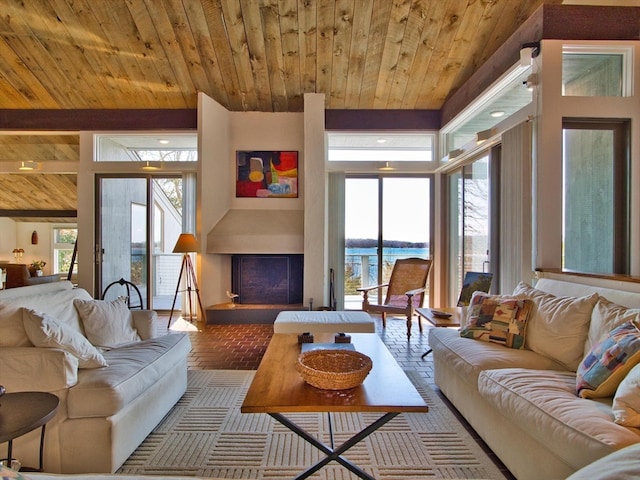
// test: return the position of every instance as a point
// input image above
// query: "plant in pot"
(37, 266)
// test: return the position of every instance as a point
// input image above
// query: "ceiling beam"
(99, 119)
(39, 213)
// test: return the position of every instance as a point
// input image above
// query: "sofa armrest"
(144, 321)
(37, 369)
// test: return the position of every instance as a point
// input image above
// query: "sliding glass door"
(470, 222)
(386, 218)
(139, 221)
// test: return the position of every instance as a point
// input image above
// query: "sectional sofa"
(115, 377)
(524, 403)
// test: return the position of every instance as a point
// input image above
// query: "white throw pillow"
(559, 326)
(626, 401)
(107, 323)
(605, 317)
(44, 330)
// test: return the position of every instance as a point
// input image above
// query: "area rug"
(205, 435)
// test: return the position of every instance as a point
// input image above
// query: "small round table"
(22, 412)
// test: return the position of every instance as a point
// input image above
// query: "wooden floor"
(241, 347)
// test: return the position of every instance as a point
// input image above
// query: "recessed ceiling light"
(163, 141)
(381, 140)
(497, 113)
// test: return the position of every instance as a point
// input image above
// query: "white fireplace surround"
(258, 231)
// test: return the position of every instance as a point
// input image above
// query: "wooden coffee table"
(277, 388)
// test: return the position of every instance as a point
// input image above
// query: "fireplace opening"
(267, 279)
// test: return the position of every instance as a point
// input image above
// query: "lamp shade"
(186, 243)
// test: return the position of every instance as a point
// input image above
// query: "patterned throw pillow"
(608, 362)
(498, 319)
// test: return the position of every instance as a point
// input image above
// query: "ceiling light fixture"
(381, 140)
(163, 141)
(28, 166)
(151, 166)
(497, 114)
(386, 168)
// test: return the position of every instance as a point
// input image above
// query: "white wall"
(222, 134)
(41, 251)
(18, 235)
(7, 239)
(213, 194)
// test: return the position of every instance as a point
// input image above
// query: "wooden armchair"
(405, 291)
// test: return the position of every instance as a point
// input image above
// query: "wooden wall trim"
(382, 119)
(39, 213)
(99, 119)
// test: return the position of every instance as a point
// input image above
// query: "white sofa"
(105, 412)
(523, 403)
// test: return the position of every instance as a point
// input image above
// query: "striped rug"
(205, 435)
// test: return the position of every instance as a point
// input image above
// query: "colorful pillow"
(605, 317)
(45, 331)
(498, 319)
(626, 401)
(608, 362)
(107, 324)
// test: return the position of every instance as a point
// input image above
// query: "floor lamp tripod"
(187, 244)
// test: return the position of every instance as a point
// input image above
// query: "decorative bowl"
(332, 369)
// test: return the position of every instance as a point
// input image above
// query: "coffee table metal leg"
(334, 454)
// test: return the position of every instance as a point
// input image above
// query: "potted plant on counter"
(37, 266)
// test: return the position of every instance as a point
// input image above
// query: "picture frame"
(266, 174)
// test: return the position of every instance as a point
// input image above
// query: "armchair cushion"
(107, 324)
(45, 331)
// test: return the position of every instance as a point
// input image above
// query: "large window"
(386, 218)
(596, 196)
(588, 71)
(64, 240)
(472, 226)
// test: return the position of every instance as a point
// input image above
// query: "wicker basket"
(333, 369)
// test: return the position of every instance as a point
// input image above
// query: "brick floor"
(240, 347)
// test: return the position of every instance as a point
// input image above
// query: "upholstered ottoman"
(300, 321)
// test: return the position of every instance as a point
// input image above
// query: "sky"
(406, 208)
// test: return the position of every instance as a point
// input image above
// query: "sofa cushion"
(558, 326)
(470, 357)
(107, 324)
(609, 361)
(605, 317)
(543, 403)
(132, 369)
(45, 331)
(620, 465)
(626, 401)
(54, 300)
(498, 319)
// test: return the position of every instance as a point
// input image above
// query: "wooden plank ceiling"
(249, 55)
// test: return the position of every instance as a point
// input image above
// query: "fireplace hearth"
(267, 279)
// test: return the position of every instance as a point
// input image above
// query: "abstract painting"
(267, 174)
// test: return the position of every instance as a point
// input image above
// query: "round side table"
(22, 412)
